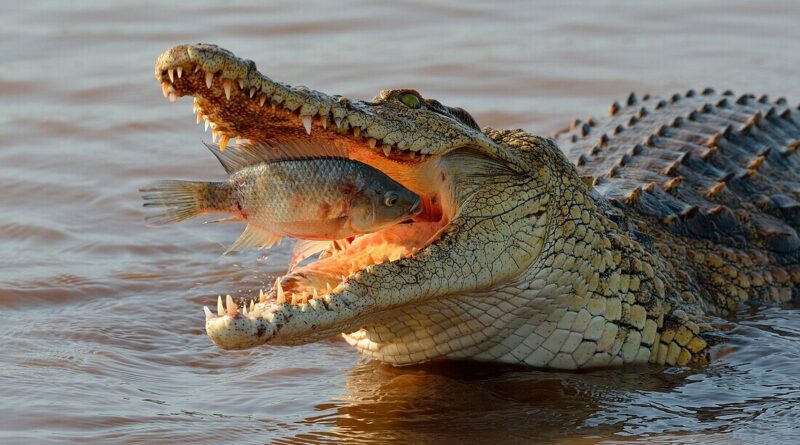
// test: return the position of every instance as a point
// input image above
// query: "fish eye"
(390, 199)
(411, 101)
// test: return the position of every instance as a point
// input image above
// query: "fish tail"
(176, 201)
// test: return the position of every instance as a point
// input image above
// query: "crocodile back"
(713, 179)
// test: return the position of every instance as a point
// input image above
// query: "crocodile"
(618, 240)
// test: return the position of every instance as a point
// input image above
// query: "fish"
(289, 189)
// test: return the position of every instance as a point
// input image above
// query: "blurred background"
(102, 328)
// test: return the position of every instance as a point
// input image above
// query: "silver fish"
(280, 191)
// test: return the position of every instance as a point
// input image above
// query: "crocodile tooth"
(372, 142)
(244, 311)
(314, 294)
(197, 118)
(339, 122)
(232, 308)
(226, 84)
(223, 142)
(171, 73)
(252, 305)
(209, 79)
(180, 72)
(262, 99)
(261, 296)
(328, 287)
(205, 118)
(220, 307)
(281, 298)
(241, 84)
(214, 134)
(173, 97)
(252, 92)
(356, 132)
(413, 155)
(387, 149)
(306, 123)
(324, 121)
(196, 68)
(165, 88)
(209, 314)
(274, 106)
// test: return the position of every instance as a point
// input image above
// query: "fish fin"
(234, 158)
(305, 248)
(254, 238)
(222, 220)
(277, 150)
(180, 200)
(240, 156)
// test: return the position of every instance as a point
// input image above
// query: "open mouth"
(237, 103)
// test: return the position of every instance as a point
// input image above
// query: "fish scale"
(289, 200)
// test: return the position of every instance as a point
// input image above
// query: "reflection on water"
(102, 323)
(749, 395)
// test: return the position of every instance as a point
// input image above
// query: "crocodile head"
(485, 197)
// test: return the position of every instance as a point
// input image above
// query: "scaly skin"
(520, 256)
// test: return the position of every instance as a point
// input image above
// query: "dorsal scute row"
(702, 164)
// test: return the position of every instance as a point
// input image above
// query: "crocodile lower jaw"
(317, 288)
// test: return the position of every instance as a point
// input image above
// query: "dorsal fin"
(240, 156)
(234, 158)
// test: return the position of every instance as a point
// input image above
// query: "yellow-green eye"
(410, 100)
(390, 199)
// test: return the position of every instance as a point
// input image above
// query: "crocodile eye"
(390, 199)
(410, 100)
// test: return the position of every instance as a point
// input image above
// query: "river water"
(101, 339)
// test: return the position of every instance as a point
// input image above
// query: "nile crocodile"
(617, 248)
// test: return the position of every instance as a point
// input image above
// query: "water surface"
(102, 333)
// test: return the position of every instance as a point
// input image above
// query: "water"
(101, 331)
